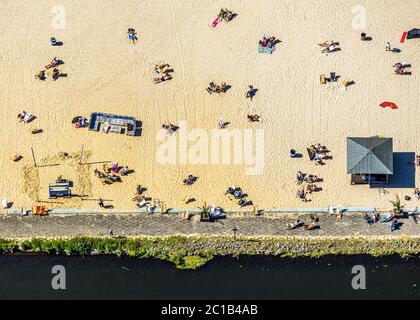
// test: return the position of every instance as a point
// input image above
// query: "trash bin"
(363, 36)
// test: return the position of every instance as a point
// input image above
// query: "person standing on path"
(101, 203)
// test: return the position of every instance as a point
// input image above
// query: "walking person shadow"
(102, 205)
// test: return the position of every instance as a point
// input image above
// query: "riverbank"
(194, 252)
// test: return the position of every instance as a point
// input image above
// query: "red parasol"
(392, 105)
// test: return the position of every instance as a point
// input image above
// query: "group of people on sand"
(304, 190)
(308, 178)
(307, 184)
(41, 75)
(109, 174)
(318, 153)
(329, 46)
(268, 42)
(313, 224)
(400, 68)
(239, 195)
(214, 88)
(162, 70)
(144, 201)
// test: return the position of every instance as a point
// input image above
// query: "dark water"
(106, 277)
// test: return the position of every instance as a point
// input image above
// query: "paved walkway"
(12, 226)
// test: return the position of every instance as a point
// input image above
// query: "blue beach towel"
(262, 49)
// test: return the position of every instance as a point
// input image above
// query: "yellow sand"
(107, 73)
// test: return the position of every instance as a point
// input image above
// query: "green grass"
(193, 253)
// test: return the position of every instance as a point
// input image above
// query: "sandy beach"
(107, 73)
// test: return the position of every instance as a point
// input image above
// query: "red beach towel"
(404, 35)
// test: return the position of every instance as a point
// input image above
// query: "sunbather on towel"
(54, 62)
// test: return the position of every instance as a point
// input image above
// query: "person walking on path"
(388, 47)
(111, 232)
(101, 203)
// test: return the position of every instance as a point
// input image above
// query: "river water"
(109, 277)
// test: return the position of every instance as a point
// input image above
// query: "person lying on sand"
(25, 116)
(253, 118)
(56, 74)
(190, 180)
(225, 14)
(320, 148)
(54, 62)
(267, 41)
(329, 49)
(164, 77)
(300, 177)
(326, 44)
(169, 127)
(132, 35)
(99, 174)
(311, 178)
(40, 75)
(250, 93)
(238, 194)
(244, 202)
(161, 67)
(301, 194)
(311, 188)
(125, 171)
(318, 158)
(231, 190)
(271, 41)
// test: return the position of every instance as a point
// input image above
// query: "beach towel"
(404, 35)
(27, 117)
(267, 49)
(215, 22)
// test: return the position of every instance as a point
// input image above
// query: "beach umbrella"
(392, 105)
